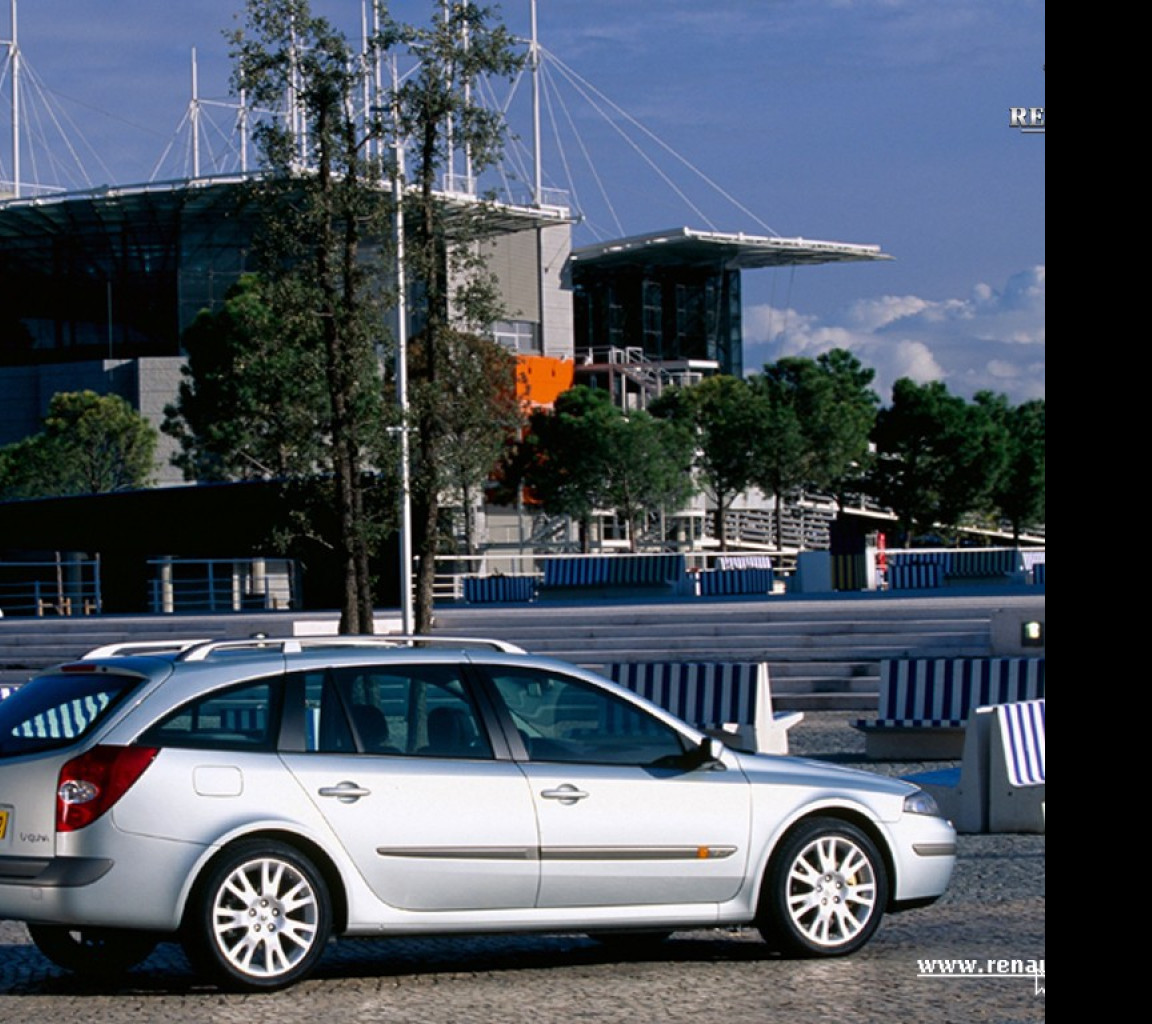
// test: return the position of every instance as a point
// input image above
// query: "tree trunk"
(720, 525)
(428, 513)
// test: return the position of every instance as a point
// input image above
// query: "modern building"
(97, 289)
(666, 307)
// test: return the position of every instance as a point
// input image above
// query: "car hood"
(798, 771)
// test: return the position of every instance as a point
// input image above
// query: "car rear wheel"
(260, 918)
(92, 951)
(825, 890)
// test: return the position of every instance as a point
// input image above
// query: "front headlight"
(922, 803)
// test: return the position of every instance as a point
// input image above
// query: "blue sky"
(870, 121)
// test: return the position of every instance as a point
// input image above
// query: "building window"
(522, 336)
(653, 319)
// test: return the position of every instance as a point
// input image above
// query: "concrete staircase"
(823, 654)
(28, 645)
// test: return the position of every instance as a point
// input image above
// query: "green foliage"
(285, 381)
(819, 415)
(839, 420)
(288, 379)
(586, 454)
(90, 444)
(649, 470)
(938, 457)
(567, 452)
(477, 412)
(250, 405)
(436, 112)
(725, 416)
(1018, 493)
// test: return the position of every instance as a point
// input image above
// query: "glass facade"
(114, 276)
(671, 313)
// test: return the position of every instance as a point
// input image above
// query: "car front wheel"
(260, 918)
(825, 890)
(91, 951)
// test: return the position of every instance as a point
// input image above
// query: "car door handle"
(566, 794)
(345, 792)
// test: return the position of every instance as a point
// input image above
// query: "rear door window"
(412, 710)
(57, 710)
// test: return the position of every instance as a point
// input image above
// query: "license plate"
(3, 824)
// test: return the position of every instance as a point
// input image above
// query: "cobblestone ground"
(992, 915)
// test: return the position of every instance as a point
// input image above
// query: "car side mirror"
(708, 753)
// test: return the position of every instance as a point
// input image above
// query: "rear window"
(57, 710)
(239, 718)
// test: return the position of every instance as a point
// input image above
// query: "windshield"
(56, 710)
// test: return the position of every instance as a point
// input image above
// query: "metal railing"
(452, 570)
(68, 585)
(223, 585)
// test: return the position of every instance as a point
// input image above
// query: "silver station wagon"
(255, 800)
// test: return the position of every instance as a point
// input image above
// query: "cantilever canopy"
(162, 212)
(685, 247)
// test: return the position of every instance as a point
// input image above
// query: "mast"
(195, 118)
(14, 54)
(538, 177)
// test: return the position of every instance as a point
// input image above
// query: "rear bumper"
(140, 890)
(52, 872)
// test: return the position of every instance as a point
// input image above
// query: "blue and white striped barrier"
(924, 703)
(1022, 729)
(713, 582)
(911, 576)
(731, 699)
(1016, 778)
(614, 570)
(495, 589)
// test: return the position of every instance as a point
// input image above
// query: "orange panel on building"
(540, 380)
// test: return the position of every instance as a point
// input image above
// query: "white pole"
(406, 618)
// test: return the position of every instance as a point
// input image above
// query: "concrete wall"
(147, 384)
(1008, 632)
(531, 269)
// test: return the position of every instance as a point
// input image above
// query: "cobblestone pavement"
(992, 915)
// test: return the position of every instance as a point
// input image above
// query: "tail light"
(91, 783)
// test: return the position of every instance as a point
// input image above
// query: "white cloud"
(993, 340)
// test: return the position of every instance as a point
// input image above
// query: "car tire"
(825, 890)
(259, 918)
(94, 952)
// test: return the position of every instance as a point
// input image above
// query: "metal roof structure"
(113, 209)
(685, 247)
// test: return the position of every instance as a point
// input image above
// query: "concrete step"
(823, 654)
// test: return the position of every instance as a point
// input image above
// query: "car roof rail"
(201, 648)
(136, 647)
(298, 644)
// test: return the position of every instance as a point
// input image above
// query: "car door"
(399, 763)
(623, 819)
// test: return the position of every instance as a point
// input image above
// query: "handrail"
(64, 586)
